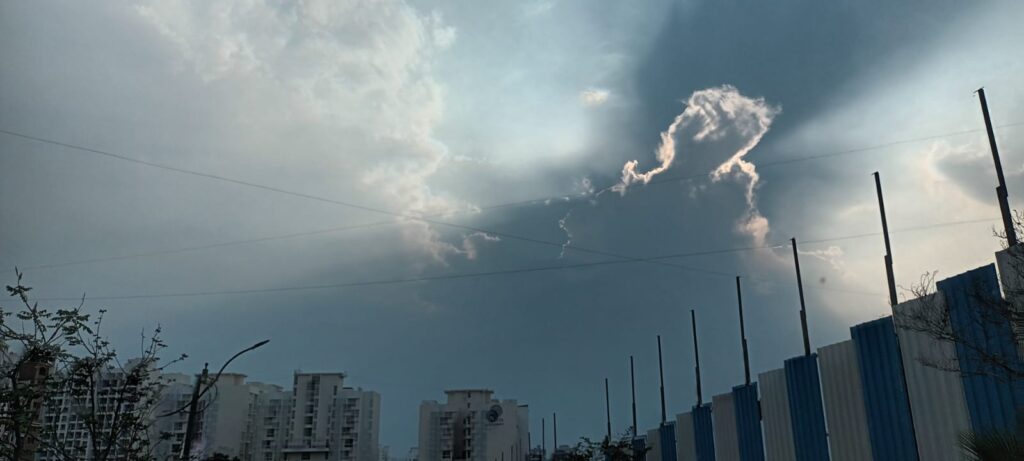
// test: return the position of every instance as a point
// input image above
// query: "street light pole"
(186, 449)
(190, 427)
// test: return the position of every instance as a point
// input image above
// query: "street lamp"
(186, 450)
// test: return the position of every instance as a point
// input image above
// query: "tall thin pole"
(607, 410)
(543, 439)
(190, 426)
(803, 306)
(632, 385)
(890, 278)
(554, 432)
(743, 333)
(892, 295)
(661, 378)
(696, 356)
(1001, 193)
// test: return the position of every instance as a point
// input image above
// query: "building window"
(305, 456)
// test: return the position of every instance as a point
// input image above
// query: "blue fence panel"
(640, 447)
(885, 392)
(703, 433)
(806, 411)
(667, 440)
(748, 422)
(979, 317)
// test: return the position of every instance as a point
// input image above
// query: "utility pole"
(890, 278)
(198, 392)
(1001, 193)
(743, 333)
(803, 307)
(190, 426)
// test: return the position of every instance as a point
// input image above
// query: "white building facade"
(320, 419)
(331, 422)
(473, 426)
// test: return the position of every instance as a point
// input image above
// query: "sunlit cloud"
(594, 97)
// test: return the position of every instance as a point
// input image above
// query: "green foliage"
(620, 449)
(57, 359)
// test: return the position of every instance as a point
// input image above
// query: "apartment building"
(331, 422)
(472, 425)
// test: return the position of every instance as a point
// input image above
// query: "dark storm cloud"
(109, 78)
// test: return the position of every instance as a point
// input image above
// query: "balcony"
(317, 446)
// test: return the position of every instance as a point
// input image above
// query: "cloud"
(717, 113)
(537, 8)
(469, 243)
(593, 97)
(832, 255)
(360, 70)
(564, 225)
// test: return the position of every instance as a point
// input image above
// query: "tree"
(620, 449)
(985, 339)
(65, 394)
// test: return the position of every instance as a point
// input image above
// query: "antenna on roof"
(888, 248)
(803, 306)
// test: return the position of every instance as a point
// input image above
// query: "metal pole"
(893, 301)
(543, 439)
(607, 410)
(696, 356)
(890, 278)
(743, 333)
(1001, 193)
(632, 385)
(554, 432)
(803, 306)
(190, 426)
(661, 378)
(186, 451)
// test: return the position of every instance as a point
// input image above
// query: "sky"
(325, 174)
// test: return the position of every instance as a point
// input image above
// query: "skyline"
(477, 122)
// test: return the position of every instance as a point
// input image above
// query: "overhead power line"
(399, 215)
(655, 259)
(561, 245)
(505, 235)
